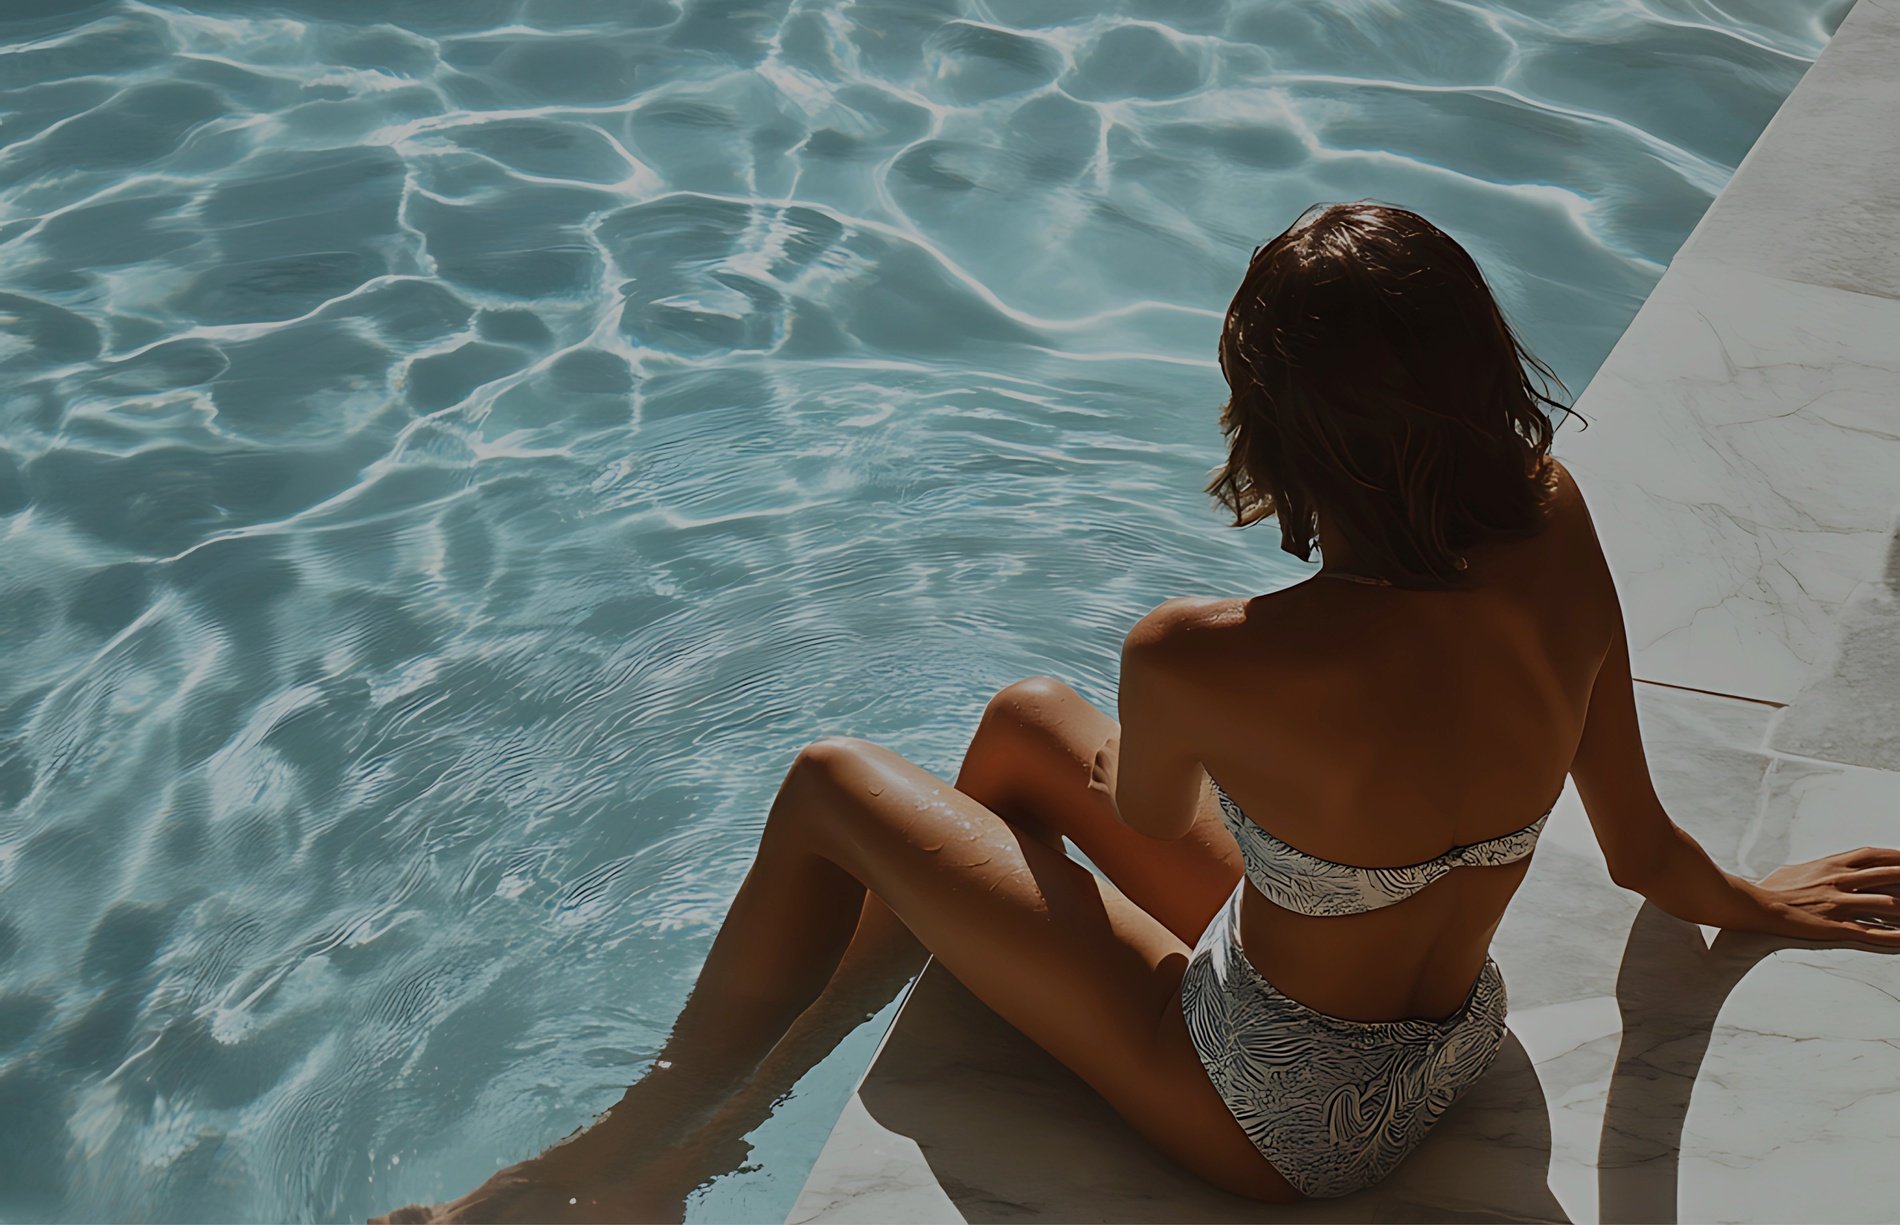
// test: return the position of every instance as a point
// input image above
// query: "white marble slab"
(1742, 463)
(1814, 199)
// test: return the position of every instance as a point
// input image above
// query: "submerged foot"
(602, 1173)
(521, 1193)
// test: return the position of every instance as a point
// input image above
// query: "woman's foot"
(669, 1135)
(594, 1174)
(532, 1191)
(510, 1195)
(524, 1203)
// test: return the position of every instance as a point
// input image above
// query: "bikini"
(1334, 1104)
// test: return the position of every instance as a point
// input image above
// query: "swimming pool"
(451, 466)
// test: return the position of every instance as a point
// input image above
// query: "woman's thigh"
(1030, 761)
(1059, 953)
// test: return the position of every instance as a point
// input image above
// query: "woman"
(1283, 1022)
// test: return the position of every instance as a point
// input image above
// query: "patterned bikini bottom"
(1333, 1104)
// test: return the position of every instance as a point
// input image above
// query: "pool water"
(455, 454)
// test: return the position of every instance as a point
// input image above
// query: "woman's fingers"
(1879, 931)
(1872, 936)
(1871, 920)
(1869, 857)
(1866, 899)
(1885, 876)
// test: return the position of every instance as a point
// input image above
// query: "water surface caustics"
(454, 455)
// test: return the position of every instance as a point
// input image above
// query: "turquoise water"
(455, 454)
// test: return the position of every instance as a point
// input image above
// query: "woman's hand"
(1102, 770)
(1850, 896)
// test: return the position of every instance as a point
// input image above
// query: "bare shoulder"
(1568, 512)
(1183, 626)
(1566, 496)
(1171, 655)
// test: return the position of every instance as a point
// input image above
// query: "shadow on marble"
(1797, 1103)
(1008, 1133)
(1670, 990)
(1850, 710)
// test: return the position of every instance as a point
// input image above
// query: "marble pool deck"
(1743, 466)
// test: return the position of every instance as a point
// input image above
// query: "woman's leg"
(1065, 957)
(787, 928)
(1029, 763)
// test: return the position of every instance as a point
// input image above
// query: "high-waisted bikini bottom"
(1333, 1104)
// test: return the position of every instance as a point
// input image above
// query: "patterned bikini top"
(1298, 881)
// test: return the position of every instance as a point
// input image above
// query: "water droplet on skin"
(877, 789)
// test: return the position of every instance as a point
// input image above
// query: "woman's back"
(1382, 726)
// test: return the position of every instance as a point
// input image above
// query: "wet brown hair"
(1375, 384)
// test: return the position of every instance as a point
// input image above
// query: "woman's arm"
(1646, 851)
(1150, 770)
(1824, 899)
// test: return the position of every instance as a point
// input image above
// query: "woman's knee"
(1031, 703)
(831, 761)
(819, 787)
